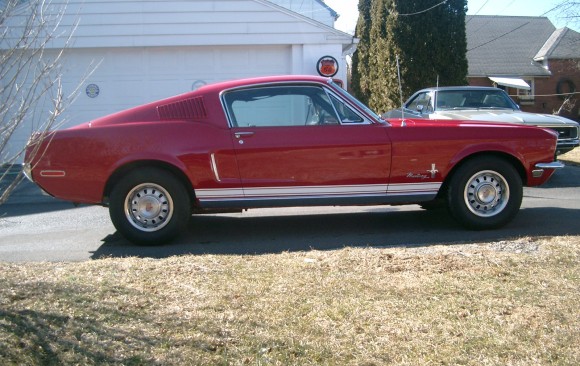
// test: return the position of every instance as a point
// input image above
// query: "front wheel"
(485, 193)
(149, 206)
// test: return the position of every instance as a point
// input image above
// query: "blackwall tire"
(485, 193)
(149, 206)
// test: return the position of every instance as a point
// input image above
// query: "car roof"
(231, 84)
(461, 88)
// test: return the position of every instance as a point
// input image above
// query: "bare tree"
(569, 10)
(30, 74)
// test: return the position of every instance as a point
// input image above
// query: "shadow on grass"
(77, 329)
(383, 227)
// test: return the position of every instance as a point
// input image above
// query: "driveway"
(39, 228)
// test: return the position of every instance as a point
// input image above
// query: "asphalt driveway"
(34, 227)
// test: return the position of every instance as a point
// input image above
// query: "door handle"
(239, 135)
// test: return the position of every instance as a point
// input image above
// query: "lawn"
(501, 303)
(572, 157)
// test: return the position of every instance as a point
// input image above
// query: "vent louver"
(192, 108)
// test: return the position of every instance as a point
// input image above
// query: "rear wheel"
(149, 206)
(485, 193)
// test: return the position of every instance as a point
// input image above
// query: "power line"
(478, 10)
(423, 11)
(511, 31)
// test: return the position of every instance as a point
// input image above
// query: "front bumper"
(541, 168)
(566, 145)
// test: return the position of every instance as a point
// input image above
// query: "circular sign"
(327, 66)
(92, 90)
(198, 84)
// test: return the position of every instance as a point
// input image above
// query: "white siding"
(143, 23)
(309, 8)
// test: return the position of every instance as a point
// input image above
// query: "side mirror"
(420, 108)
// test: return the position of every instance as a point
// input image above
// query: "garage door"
(129, 77)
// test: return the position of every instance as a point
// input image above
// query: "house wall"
(144, 50)
(546, 101)
(545, 88)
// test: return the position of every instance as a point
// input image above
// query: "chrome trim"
(552, 165)
(327, 87)
(214, 167)
(27, 170)
(241, 134)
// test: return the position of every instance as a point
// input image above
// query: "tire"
(485, 193)
(149, 206)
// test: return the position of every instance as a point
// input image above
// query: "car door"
(302, 141)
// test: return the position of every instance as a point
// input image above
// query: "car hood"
(509, 116)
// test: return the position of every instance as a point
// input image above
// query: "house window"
(527, 95)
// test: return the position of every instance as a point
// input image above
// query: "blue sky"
(349, 13)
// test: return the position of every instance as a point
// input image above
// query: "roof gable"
(314, 9)
(564, 43)
(506, 45)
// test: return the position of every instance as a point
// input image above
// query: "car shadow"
(383, 227)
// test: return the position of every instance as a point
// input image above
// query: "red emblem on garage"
(327, 66)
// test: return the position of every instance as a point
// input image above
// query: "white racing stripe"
(364, 190)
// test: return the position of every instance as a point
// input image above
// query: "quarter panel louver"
(192, 108)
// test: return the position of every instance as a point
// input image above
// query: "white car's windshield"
(473, 99)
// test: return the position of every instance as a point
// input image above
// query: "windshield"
(473, 99)
(355, 101)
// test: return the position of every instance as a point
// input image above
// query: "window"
(421, 103)
(346, 114)
(274, 106)
(527, 95)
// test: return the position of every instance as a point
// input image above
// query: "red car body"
(202, 141)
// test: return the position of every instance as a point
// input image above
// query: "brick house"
(529, 58)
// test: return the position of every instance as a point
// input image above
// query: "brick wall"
(545, 88)
(562, 70)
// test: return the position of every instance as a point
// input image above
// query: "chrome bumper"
(27, 170)
(541, 167)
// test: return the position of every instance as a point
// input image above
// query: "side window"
(421, 103)
(345, 114)
(276, 106)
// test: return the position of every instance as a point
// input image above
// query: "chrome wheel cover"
(148, 207)
(486, 193)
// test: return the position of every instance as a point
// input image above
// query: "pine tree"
(360, 61)
(429, 40)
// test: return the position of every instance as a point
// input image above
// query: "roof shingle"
(506, 45)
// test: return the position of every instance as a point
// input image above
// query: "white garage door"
(129, 77)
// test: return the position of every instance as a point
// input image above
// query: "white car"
(483, 104)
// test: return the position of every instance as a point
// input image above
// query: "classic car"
(483, 104)
(283, 141)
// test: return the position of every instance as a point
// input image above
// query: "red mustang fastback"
(284, 141)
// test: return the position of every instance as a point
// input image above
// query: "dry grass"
(504, 303)
(572, 157)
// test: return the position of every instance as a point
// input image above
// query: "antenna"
(403, 124)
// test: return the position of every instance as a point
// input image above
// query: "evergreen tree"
(427, 36)
(359, 83)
